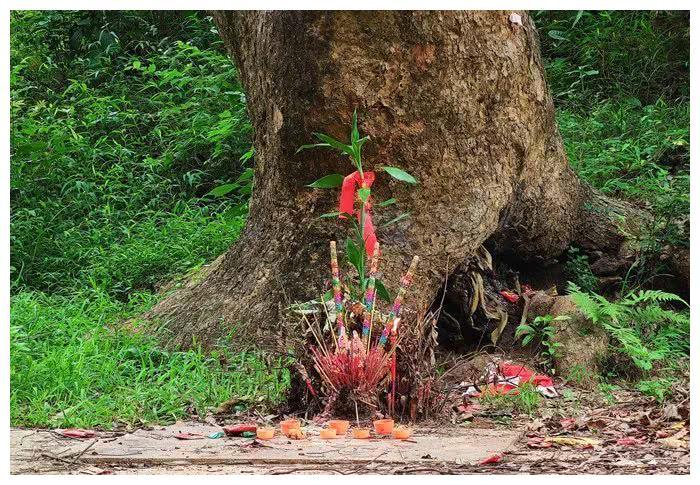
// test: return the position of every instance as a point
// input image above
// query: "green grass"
(121, 125)
(593, 56)
(526, 400)
(74, 363)
(639, 153)
(620, 82)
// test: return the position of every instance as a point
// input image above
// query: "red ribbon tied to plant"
(351, 183)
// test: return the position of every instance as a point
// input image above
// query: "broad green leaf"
(556, 34)
(382, 292)
(397, 219)
(399, 174)
(327, 296)
(328, 182)
(246, 175)
(352, 252)
(329, 215)
(222, 190)
(247, 155)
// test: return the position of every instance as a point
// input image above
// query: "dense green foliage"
(121, 124)
(118, 131)
(130, 149)
(642, 330)
(595, 56)
(620, 81)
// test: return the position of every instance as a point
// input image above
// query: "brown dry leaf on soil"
(573, 441)
(676, 440)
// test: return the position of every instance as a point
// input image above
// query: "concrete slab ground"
(157, 450)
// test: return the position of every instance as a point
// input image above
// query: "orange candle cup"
(401, 433)
(384, 426)
(340, 425)
(328, 434)
(265, 433)
(288, 425)
(360, 433)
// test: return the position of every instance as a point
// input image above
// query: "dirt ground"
(572, 434)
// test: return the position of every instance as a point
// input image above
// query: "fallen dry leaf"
(575, 442)
(676, 440)
(538, 443)
(672, 442)
(188, 436)
(630, 441)
(77, 433)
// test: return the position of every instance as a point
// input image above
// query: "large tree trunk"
(459, 99)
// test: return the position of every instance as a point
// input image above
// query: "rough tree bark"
(459, 99)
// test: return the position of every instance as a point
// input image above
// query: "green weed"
(659, 388)
(578, 270)
(608, 390)
(526, 400)
(73, 363)
(542, 331)
(595, 55)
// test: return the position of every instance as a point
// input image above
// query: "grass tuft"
(75, 363)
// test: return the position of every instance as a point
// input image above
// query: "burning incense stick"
(370, 295)
(337, 295)
(396, 309)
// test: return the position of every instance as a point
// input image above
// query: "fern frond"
(650, 296)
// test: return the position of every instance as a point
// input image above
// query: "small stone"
(515, 19)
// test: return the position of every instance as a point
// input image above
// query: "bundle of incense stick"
(392, 321)
(370, 295)
(345, 370)
(337, 295)
(355, 363)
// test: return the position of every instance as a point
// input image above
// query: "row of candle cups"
(291, 428)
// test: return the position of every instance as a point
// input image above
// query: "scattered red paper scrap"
(491, 459)
(527, 290)
(568, 423)
(510, 296)
(507, 377)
